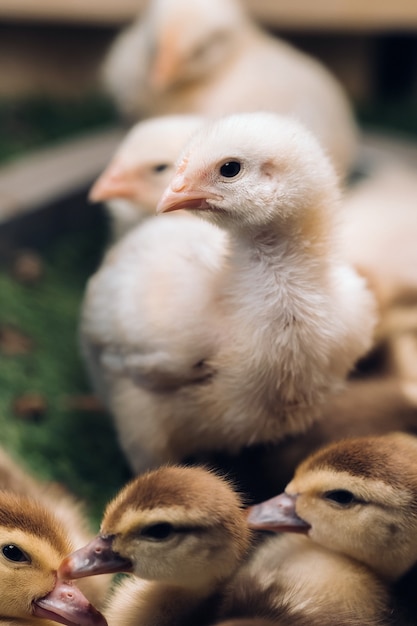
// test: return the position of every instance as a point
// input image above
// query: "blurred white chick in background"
(141, 168)
(379, 235)
(208, 56)
(202, 345)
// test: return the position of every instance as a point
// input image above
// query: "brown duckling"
(183, 531)
(183, 534)
(357, 498)
(67, 511)
(32, 544)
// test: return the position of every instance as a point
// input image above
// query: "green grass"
(77, 448)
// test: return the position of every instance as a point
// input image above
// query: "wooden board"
(372, 15)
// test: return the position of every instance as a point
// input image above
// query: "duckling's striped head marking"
(28, 516)
(391, 459)
(184, 496)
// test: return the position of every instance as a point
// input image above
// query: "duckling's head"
(183, 526)
(357, 497)
(32, 546)
(251, 169)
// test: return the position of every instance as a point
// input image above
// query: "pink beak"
(182, 196)
(278, 515)
(97, 557)
(67, 605)
(115, 182)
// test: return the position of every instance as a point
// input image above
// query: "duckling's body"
(291, 580)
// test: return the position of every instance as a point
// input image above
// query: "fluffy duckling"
(209, 57)
(249, 355)
(183, 531)
(356, 497)
(355, 500)
(52, 500)
(141, 168)
(32, 545)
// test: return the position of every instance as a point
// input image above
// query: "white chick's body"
(379, 238)
(141, 168)
(248, 355)
(208, 57)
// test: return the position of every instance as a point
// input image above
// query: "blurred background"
(57, 131)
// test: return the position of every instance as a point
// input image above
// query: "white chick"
(378, 237)
(141, 168)
(208, 56)
(200, 348)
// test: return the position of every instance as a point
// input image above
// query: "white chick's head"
(190, 39)
(252, 169)
(144, 162)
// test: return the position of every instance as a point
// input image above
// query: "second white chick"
(378, 237)
(209, 57)
(141, 168)
(199, 348)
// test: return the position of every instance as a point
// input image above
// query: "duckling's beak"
(67, 605)
(97, 557)
(277, 514)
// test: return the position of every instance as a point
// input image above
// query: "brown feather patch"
(31, 517)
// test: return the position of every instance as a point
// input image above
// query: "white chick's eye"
(230, 169)
(15, 554)
(160, 167)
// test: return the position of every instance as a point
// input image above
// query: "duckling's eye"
(341, 496)
(161, 167)
(230, 169)
(158, 532)
(13, 553)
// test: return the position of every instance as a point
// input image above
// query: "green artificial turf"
(75, 447)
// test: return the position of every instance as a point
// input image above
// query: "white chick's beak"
(166, 66)
(115, 182)
(182, 194)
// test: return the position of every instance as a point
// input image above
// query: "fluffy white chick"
(378, 237)
(208, 56)
(248, 353)
(141, 168)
